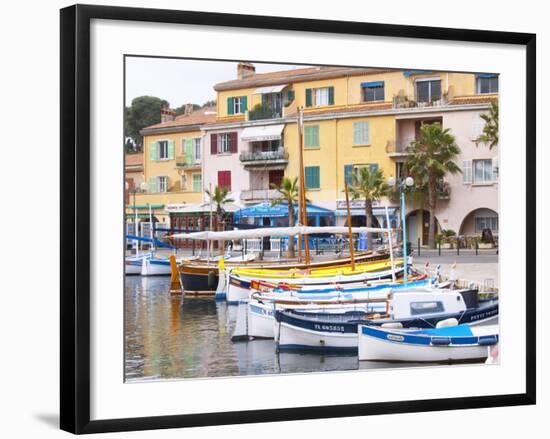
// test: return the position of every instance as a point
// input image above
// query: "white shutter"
(467, 171)
(477, 126)
(495, 168)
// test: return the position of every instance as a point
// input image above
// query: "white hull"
(236, 294)
(261, 322)
(150, 268)
(377, 349)
(291, 337)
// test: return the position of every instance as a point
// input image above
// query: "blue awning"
(373, 84)
(408, 73)
(486, 75)
(280, 210)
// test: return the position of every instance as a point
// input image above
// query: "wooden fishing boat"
(260, 309)
(406, 309)
(456, 343)
(197, 276)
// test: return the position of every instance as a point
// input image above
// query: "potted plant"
(487, 240)
(447, 238)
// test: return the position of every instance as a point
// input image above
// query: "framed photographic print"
(261, 212)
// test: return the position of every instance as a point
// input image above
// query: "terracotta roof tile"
(199, 117)
(134, 159)
(296, 75)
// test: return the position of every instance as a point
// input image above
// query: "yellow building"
(172, 169)
(353, 117)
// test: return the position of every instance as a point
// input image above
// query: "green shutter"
(308, 97)
(331, 95)
(197, 182)
(348, 174)
(244, 104)
(170, 150)
(311, 136)
(153, 185)
(188, 151)
(229, 105)
(290, 95)
(153, 151)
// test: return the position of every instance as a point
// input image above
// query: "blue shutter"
(373, 167)
(312, 177)
(348, 174)
(244, 105)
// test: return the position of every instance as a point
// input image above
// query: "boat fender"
(441, 341)
(488, 340)
(447, 323)
(211, 279)
(392, 325)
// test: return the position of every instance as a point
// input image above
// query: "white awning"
(270, 89)
(266, 132)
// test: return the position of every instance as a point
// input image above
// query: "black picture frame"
(75, 217)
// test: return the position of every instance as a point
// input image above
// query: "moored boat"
(445, 344)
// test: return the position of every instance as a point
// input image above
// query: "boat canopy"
(273, 231)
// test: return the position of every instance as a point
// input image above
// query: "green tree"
(219, 197)
(430, 158)
(489, 135)
(288, 193)
(144, 111)
(368, 184)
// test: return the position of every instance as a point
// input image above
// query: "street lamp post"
(403, 185)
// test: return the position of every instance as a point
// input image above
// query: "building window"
(428, 90)
(236, 105)
(373, 91)
(224, 179)
(361, 133)
(486, 222)
(487, 84)
(197, 149)
(372, 167)
(163, 150)
(224, 145)
(483, 171)
(318, 97)
(311, 136)
(197, 182)
(162, 184)
(312, 177)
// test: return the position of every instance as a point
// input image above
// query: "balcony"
(257, 195)
(259, 113)
(268, 160)
(182, 161)
(397, 149)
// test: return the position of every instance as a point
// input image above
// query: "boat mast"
(303, 213)
(350, 234)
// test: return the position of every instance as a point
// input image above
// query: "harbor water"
(173, 337)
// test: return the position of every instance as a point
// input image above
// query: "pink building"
(467, 202)
(246, 157)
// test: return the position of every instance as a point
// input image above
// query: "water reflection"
(173, 337)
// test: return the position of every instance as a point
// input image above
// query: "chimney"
(245, 69)
(188, 109)
(166, 114)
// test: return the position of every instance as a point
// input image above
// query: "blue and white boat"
(435, 345)
(297, 330)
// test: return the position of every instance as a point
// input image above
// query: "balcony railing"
(183, 162)
(397, 148)
(259, 195)
(259, 113)
(264, 156)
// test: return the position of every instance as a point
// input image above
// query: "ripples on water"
(173, 337)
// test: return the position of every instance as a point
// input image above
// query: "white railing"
(259, 194)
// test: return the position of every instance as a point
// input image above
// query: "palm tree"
(370, 185)
(489, 135)
(288, 193)
(430, 158)
(219, 197)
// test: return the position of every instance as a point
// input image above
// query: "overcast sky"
(180, 81)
